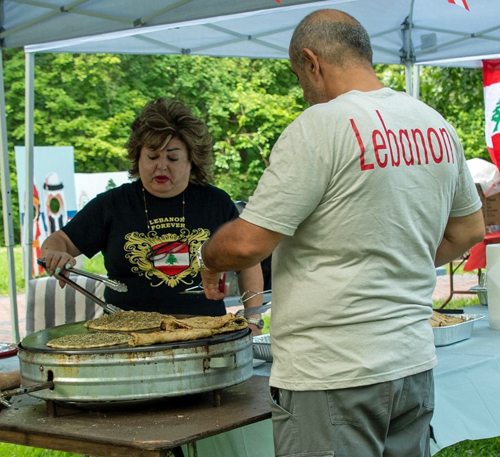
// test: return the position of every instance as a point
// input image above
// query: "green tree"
(172, 260)
(496, 116)
(111, 185)
(457, 93)
(89, 101)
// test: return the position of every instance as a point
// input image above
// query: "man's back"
(375, 177)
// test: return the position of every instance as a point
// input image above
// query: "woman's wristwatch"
(257, 321)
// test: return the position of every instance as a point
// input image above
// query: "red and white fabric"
(491, 78)
(462, 3)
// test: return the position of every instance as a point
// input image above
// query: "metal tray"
(262, 347)
(443, 336)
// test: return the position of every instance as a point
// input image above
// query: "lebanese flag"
(171, 258)
(491, 78)
(462, 3)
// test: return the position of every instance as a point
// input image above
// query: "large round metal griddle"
(122, 373)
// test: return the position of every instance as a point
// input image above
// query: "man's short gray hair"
(339, 42)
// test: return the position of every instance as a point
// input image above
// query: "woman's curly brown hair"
(161, 120)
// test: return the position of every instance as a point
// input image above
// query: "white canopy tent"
(407, 32)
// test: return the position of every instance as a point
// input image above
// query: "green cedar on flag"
(491, 78)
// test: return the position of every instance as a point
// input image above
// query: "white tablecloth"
(468, 386)
(467, 381)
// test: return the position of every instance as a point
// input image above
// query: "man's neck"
(340, 81)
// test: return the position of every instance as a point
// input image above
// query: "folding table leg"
(191, 448)
(452, 289)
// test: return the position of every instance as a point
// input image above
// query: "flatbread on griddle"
(148, 339)
(238, 323)
(127, 321)
(210, 322)
(90, 340)
(172, 324)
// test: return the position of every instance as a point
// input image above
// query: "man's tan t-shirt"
(363, 187)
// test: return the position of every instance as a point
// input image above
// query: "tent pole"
(7, 210)
(416, 81)
(28, 160)
(407, 58)
(408, 78)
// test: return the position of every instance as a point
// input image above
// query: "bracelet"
(199, 258)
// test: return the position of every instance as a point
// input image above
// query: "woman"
(150, 230)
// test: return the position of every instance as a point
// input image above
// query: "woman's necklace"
(146, 208)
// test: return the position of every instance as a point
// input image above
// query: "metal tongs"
(115, 285)
(255, 309)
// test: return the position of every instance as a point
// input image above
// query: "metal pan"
(122, 374)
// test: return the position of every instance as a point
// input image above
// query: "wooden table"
(146, 429)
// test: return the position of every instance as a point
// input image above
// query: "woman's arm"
(251, 279)
(59, 252)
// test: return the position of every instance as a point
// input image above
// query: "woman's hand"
(59, 252)
(59, 263)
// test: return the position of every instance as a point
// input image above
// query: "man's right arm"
(460, 234)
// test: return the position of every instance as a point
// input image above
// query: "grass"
(13, 450)
(4, 271)
(458, 303)
(94, 265)
(478, 448)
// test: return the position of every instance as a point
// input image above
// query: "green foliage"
(89, 101)
(456, 93)
(267, 320)
(95, 265)
(13, 450)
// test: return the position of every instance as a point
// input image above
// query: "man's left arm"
(237, 245)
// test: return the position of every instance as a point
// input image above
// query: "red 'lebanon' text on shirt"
(405, 147)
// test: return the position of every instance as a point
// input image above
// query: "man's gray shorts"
(390, 419)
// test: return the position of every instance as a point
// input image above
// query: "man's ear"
(311, 62)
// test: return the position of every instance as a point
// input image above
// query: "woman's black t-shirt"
(158, 264)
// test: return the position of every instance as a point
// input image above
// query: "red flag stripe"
(462, 3)
(491, 72)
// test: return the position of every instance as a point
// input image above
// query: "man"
(367, 191)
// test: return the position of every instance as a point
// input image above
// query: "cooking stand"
(136, 431)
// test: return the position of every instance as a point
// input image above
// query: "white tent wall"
(407, 32)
